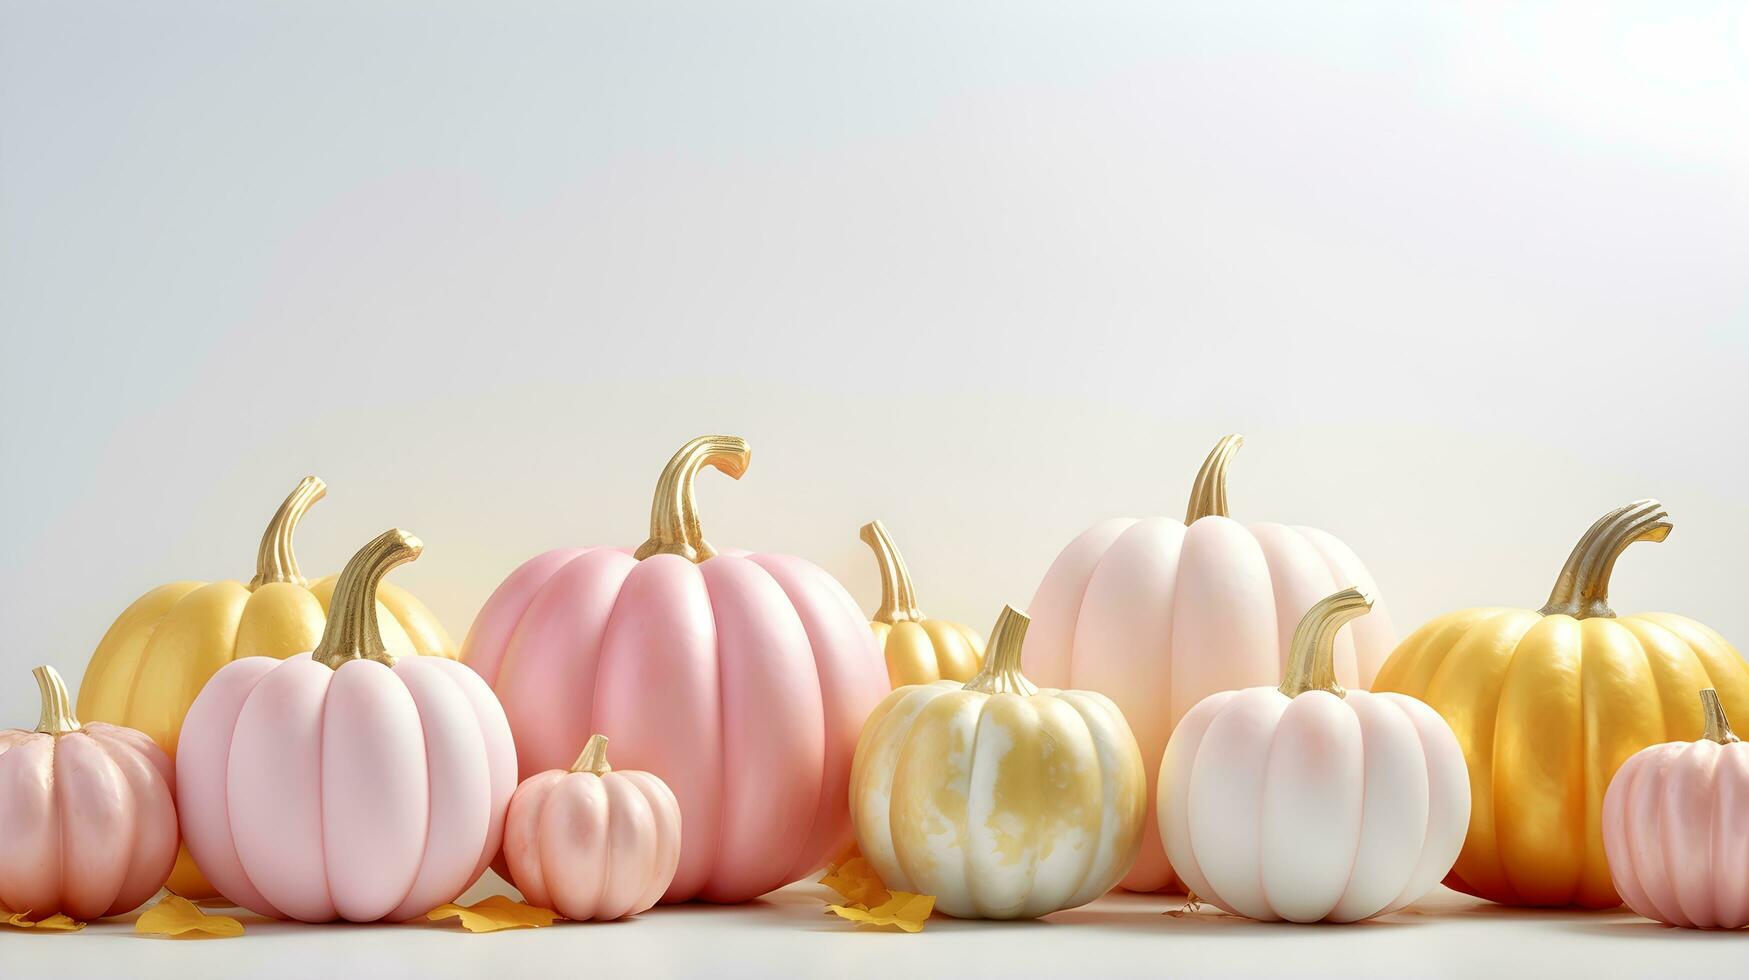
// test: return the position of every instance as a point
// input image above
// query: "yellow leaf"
(856, 881)
(54, 923)
(177, 917)
(495, 913)
(905, 910)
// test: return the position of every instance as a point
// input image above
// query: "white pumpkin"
(1001, 800)
(1307, 802)
(1160, 614)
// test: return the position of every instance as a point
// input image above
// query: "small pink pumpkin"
(87, 814)
(592, 843)
(344, 783)
(688, 658)
(1674, 830)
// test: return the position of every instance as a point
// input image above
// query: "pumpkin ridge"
(149, 649)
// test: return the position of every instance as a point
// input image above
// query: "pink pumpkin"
(1158, 615)
(1674, 831)
(742, 679)
(344, 783)
(87, 818)
(592, 843)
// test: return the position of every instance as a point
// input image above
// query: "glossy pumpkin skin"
(917, 649)
(592, 843)
(1159, 615)
(1546, 708)
(87, 817)
(1002, 800)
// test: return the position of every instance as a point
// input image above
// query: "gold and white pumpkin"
(1002, 800)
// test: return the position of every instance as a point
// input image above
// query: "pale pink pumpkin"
(687, 659)
(344, 783)
(87, 814)
(592, 842)
(1674, 830)
(1158, 614)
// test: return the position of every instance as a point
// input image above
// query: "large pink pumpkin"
(1674, 829)
(1158, 614)
(740, 679)
(344, 783)
(87, 818)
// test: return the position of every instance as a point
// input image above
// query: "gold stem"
(898, 597)
(594, 757)
(674, 515)
(352, 632)
(275, 562)
(1001, 671)
(57, 714)
(1718, 727)
(1582, 590)
(1311, 657)
(1208, 495)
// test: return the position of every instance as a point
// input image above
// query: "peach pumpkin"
(345, 783)
(743, 679)
(1158, 614)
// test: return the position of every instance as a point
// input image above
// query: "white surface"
(787, 934)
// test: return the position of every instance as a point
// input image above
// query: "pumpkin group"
(1308, 802)
(1547, 704)
(87, 814)
(918, 650)
(742, 679)
(345, 783)
(1159, 614)
(1002, 800)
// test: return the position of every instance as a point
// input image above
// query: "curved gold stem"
(1582, 590)
(1001, 671)
(57, 714)
(1718, 727)
(352, 632)
(1311, 656)
(674, 515)
(898, 597)
(275, 562)
(1208, 495)
(594, 757)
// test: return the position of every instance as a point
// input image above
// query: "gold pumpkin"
(918, 650)
(162, 649)
(1548, 704)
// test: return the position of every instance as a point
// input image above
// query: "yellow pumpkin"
(1548, 704)
(918, 650)
(162, 649)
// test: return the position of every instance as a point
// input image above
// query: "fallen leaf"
(1191, 906)
(177, 917)
(495, 913)
(856, 881)
(905, 910)
(54, 923)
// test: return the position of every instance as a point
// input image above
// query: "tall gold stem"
(1311, 657)
(57, 714)
(898, 597)
(674, 515)
(276, 562)
(1208, 495)
(594, 757)
(1001, 671)
(1718, 727)
(1582, 590)
(352, 632)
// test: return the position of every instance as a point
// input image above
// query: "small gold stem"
(1311, 657)
(674, 515)
(594, 757)
(1208, 495)
(898, 597)
(352, 632)
(275, 562)
(1582, 590)
(1001, 671)
(1718, 727)
(57, 714)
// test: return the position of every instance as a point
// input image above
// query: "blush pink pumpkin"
(741, 679)
(1674, 830)
(344, 783)
(87, 814)
(1158, 614)
(592, 842)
